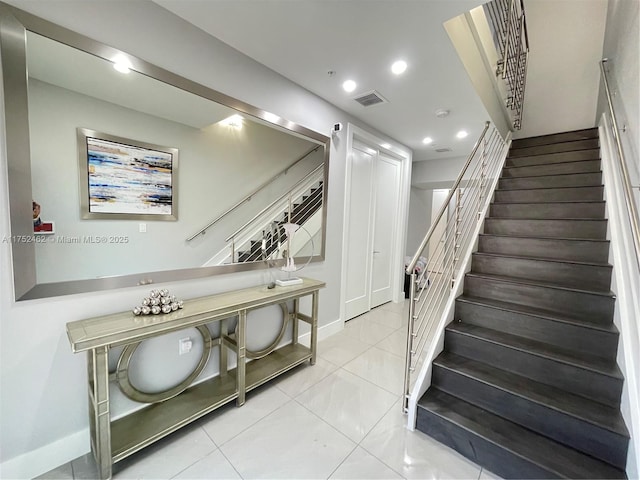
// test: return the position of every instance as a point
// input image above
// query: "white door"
(385, 228)
(359, 232)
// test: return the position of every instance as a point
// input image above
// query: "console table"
(112, 441)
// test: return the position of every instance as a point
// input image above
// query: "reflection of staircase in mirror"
(260, 238)
(306, 212)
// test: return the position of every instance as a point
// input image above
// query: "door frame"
(404, 155)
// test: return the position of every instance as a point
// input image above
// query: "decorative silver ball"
(166, 308)
(155, 301)
(154, 293)
(164, 292)
(174, 306)
(180, 304)
(146, 301)
(145, 310)
(174, 298)
(166, 301)
(156, 309)
(137, 310)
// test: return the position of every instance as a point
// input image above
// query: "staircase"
(527, 385)
(300, 213)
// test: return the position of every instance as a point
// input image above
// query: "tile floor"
(339, 419)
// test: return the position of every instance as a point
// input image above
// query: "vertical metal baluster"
(410, 334)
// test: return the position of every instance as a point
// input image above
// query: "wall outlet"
(142, 228)
(184, 345)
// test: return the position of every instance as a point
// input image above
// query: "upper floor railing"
(507, 18)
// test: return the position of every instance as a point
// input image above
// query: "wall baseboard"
(41, 460)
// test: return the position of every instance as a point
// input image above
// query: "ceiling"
(303, 40)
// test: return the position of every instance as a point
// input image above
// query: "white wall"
(433, 174)
(420, 203)
(565, 38)
(43, 409)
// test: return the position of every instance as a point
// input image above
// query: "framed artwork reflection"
(125, 179)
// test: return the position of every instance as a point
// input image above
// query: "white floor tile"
(395, 343)
(381, 368)
(361, 328)
(300, 378)
(212, 467)
(348, 403)
(230, 420)
(387, 317)
(289, 443)
(167, 458)
(413, 454)
(341, 348)
(362, 465)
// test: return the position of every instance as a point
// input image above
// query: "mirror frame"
(14, 24)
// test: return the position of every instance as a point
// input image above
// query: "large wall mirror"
(122, 173)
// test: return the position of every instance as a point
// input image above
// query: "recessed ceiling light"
(399, 67)
(462, 134)
(121, 64)
(234, 121)
(442, 112)
(427, 140)
(349, 86)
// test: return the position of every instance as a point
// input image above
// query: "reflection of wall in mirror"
(218, 166)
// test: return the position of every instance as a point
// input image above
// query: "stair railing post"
(483, 177)
(456, 235)
(410, 336)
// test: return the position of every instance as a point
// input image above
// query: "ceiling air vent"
(370, 98)
(443, 150)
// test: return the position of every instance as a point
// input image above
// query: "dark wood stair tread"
(502, 235)
(543, 259)
(549, 175)
(549, 455)
(540, 349)
(539, 283)
(596, 413)
(538, 312)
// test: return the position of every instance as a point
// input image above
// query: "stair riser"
(576, 250)
(589, 307)
(552, 181)
(552, 169)
(582, 340)
(589, 384)
(561, 427)
(548, 210)
(576, 135)
(574, 275)
(555, 147)
(569, 194)
(583, 229)
(474, 447)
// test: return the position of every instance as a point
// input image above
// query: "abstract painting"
(127, 179)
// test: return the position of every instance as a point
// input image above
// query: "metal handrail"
(628, 190)
(275, 202)
(425, 241)
(252, 194)
(432, 288)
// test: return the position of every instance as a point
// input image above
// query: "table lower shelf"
(143, 427)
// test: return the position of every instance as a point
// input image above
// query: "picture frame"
(126, 179)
